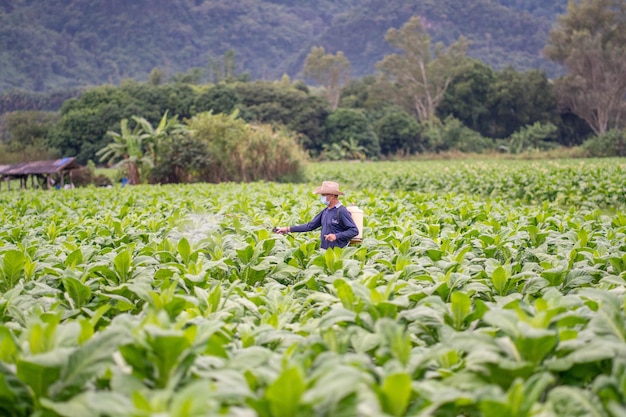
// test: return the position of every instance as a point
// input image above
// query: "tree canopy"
(421, 73)
(590, 41)
(328, 70)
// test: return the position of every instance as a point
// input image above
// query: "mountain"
(53, 44)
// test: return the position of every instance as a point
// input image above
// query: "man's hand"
(330, 237)
(281, 230)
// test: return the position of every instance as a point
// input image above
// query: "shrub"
(453, 134)
(102, 180)
(86, 175)
(243, 152)
(537, 136)
(220, 98)
(182, 158)
(344, 125)
(82, 177)
(398, 132)
(274, 155)
(611, 143)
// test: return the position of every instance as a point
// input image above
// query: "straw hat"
(328, 187)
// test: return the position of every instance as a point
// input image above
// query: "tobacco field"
(481, 288)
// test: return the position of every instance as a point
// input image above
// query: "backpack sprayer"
(357, 216)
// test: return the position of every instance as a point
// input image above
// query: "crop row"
(589, 183)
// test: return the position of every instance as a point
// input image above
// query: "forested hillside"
(50, 44)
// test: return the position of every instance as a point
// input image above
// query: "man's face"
(326, 198)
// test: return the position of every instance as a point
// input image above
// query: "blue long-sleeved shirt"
(337, 220)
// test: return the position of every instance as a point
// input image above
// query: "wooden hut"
(39, 169)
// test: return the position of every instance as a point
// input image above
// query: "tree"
(130, 150)
(156, 76)
(346, 150)
(398, 132)
(350, 125)
(27, 128)
(467, 97)
(518, 99)
(358, 94)
(192, 76)
(153, 137)
(291, 106)
(183, 159)
(590, 41)
(220, 98)
(451, 133)
(224, 69)
(420, 75)
(330, 71)
(85, 121)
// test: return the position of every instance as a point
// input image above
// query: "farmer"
(335, 220)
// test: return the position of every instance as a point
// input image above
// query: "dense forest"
(56, 44)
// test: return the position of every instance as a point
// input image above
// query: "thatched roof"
(39, 167)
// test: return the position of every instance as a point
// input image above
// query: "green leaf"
(15, 398)
(184, 249)
(214, 299)
(609, 323)
(285, 393)
(499, 279)
(92, 404)
(591, 353)
(490, 407)
(39, 372)
(336, 383)
(335, 316)
(74, 258)
(396, 337)
(8, 346)
(246, 254)
(89, 360)
(534, 389)
(198, 399)
(12, 267)
(332, 260)
(396, 393)
(520, 398)
(77, 291)
(460, 306)
(535, 344)
(166, 352)
(575, 402)
(434, 254)
(122, 265)
(43, 334)
(345, 294)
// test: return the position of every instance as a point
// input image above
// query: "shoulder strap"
(340, 215)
